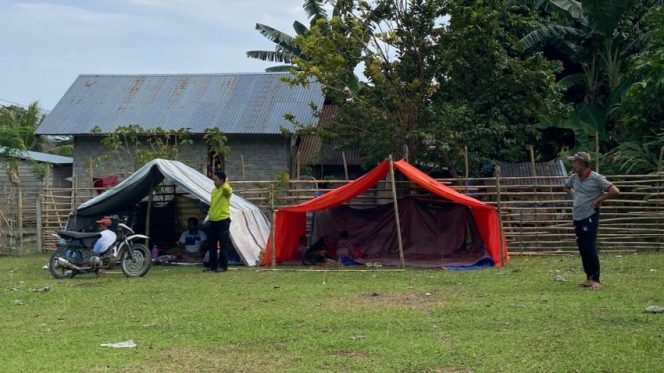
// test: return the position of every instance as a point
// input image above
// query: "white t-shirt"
(107, 239)
(192, 241)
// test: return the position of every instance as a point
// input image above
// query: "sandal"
(586, 284)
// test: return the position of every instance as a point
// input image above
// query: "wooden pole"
(396, 213)
(597, 151)
(92, 176)
(297, 165)
(659, 171)
(242, 163)
(273, 248)
(343, 158)
(533, 171)
(148, 213)
(40, 246)
(500, 218)
(74, 193)
(19, 213)
(466, 168)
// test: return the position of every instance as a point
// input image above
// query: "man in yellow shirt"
(219, 217)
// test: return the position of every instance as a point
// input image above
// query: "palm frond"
(571, 80)
(279, 69)
(299, 28)
(572, 7)
(273, 56)
(545, 33)
(604, 15)
(274, 35)
(314, 9)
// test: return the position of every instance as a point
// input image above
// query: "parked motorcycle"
(75, 255)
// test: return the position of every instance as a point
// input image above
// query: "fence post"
(19, 216)
(273, 249)
(500, 218)
(40, 225)
(465, 164)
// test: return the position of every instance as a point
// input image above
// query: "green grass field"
(513, 320)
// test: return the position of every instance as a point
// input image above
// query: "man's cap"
(106, 221)
(580, 156)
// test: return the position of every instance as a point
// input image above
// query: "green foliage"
(431, 88)
(285, 48)
(637, 155)
(642, 106)
(216, 144)
(130, 147)
(17, 128)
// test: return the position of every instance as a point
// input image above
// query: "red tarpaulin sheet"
(290, 222)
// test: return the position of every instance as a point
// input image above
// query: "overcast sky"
(45, 44)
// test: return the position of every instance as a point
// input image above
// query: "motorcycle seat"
(78, 235)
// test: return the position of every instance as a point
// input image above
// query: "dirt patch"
(351, 354)
(449, 370)
(232, 358)
(410, 300)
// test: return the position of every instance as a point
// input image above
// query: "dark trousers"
(586, 240)
(219, 231)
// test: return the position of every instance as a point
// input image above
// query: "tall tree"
(439, 75)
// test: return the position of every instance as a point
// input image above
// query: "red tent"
(290, 222)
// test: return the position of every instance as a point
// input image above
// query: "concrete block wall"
(265, 157)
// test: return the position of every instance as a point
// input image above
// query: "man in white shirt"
(192, 241)
(107, 238)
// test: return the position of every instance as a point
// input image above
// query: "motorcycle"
(75, 255)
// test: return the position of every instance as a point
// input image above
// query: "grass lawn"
(513, 320)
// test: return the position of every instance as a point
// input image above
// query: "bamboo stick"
(396, 214)
(503, 256)
(273, 250)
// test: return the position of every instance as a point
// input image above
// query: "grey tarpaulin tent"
(250, 228)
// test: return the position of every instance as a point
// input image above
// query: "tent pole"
(273, 249)
(500, 217)
(147, 213)
(396, 213)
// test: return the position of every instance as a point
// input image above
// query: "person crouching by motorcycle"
(107, 238)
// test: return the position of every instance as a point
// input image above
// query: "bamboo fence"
(535, 211)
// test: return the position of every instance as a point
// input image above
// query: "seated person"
(319, 252)
(302, 247)
(344, 245)
(107, 238)
(192, 241)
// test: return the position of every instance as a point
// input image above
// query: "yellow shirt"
(220, 208)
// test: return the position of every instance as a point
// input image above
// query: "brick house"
(248, 108)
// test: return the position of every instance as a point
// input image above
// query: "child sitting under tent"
(320, 252)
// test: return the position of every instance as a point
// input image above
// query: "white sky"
(45, 44)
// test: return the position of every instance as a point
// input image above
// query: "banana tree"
(285, 48)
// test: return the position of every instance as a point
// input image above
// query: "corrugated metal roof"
(525, 169)
(42, 157)
(252, 103)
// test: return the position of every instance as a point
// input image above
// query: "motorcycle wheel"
(69, 253)
(136, 261)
